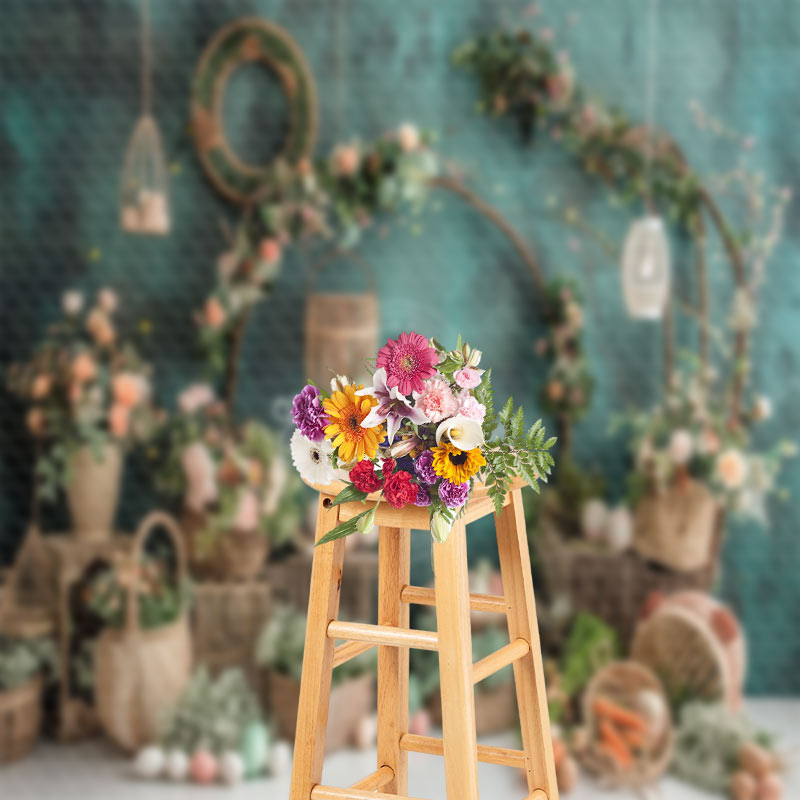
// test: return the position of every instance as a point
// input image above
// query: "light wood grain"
(422, 596)
(501, 658)
(315, 685)
(515, 568)
(383, 634)
(348, 651)
(394, 566)
(455, 665)
(332, 793)
(430, 745)
(376, 781)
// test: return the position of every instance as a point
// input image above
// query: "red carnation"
(364, 478)
(399, 490)
(388, 467)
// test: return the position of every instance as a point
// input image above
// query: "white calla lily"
(462, 432)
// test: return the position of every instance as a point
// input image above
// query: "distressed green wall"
(68, 84)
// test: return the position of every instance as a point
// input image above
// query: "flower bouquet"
(422, 435)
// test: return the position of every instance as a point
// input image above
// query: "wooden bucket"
(141, 674)
(20, 719)
(341, 328)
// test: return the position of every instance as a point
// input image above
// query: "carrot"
(633, 738)
(615, 744)
(619, 715)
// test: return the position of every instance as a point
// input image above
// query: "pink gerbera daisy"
(408, 360)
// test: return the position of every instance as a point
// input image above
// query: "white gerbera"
(312, 459)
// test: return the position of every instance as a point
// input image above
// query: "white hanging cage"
(646, 269)
(144, 198)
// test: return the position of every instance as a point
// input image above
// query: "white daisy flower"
(312, 459)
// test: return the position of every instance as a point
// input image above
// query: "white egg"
(149, 762)
(280, 759)
(619, 529)
(594, 517)
(176, 766)
(231, 768)
(366, 732)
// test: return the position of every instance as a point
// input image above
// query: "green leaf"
(348, 495)
(345, 529)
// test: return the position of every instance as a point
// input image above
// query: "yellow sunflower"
(346, 412)
(457, 466)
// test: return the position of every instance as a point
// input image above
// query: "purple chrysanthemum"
(454, 495)
(423, 498)
(423, 466)
(308, 414)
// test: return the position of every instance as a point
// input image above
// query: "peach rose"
(41, 386)
(118, 420)
(346, 159)
(408, 137)
(83, 368)
(215, 315)
(269, 250)
(731, 468)
(555, 390)
(99, 326)
(247, 511)
(35, 421)
(107, 300)
(127, 389)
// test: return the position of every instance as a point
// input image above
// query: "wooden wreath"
(240, 42)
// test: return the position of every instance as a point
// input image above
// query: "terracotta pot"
(93, 492)
(20, 719)
(351, 702)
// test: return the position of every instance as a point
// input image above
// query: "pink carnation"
(468, 377)
(437, 401)
(469, 407)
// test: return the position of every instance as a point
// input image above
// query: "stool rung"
(501, 658)
(383, 634)
(349, 650)
(491, 755)
(332, 793)
(537, 794)
(422, 596)
(376, 781)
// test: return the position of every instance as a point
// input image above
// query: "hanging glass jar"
(144, 197)
(646, 268)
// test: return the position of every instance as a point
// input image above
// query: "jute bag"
(140, 674)
(341, 328)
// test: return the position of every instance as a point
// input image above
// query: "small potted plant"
(280, 651)
(88, 398)
(23, 664)
(237, 494)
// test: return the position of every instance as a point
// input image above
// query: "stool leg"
(394, 553)
(515, 568)
(315, 685)
(455, 665)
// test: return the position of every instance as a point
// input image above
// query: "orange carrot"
(619, 715)
(633, 738)
(615, 744)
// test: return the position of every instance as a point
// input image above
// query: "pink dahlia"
(468, 406)
(408, 360)
(437, 401)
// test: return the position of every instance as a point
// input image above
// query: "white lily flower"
(440, 528)
(462, 432)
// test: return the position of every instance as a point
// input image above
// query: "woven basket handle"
(154, 519)
(334, 254)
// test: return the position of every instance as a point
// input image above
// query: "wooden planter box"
(20, 720)
(495, 709)
(350, 703)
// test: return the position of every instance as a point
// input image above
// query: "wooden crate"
(225, 621)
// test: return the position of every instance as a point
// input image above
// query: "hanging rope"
(651, 79)
(145, 55)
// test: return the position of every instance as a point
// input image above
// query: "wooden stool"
(453, 641)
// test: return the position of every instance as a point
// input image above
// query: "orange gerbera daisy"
(346, 412)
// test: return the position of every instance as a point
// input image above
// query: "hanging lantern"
(646, 269)
(144, 198)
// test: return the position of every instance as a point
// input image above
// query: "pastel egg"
(231, 768)
(203, 767)
(254, 748)
(176, 765)
(149, 762)
(280, 759)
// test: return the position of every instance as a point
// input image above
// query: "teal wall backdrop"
(68, 83)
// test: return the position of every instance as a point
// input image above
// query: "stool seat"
(452, 641)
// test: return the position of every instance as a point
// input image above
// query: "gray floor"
(94, 771)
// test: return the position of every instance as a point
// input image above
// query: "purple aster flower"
(423, 466)
(308, 414)
(392, 406)
(423, 498)
(454, 495)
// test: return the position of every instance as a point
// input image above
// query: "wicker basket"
(621, 680)
(140, 674)
(20, 719)
(341, 329)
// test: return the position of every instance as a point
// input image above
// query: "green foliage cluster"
(23, 658)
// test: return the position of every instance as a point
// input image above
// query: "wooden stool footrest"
(376, 781)
(348, 651)
(422, 596)
(430, 745)
(332, 793)
(500, 659)
(383, 634)
(537, 794)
